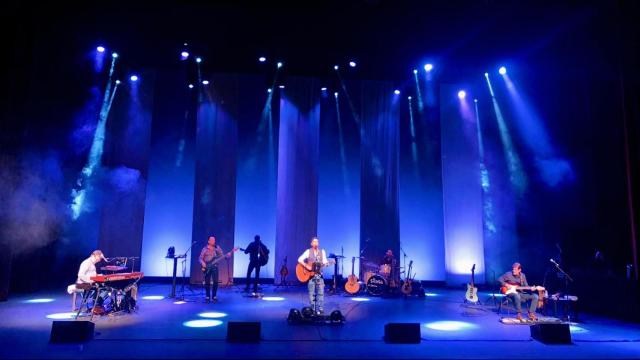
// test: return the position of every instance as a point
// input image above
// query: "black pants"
(253, 265)
(211, 281)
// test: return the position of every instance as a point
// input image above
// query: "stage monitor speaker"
(551, 333)
(71, 331)
(245, 332)
(402, 333)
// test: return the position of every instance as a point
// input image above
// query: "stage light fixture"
(117, 82)
(336, 317)
(184, 55)
(336, 67)
(198, 59)
(502, 70)
(428, 67)
(462, 94)
(190, 86)
(279, 65)
(307, 312)
(415, 71)
(409, 97)
(114, 55)
(134, 78)
(100, 49)
(396, 91)
(486, 74)
(262, 59)
(269, 91)
(294, 316)
(335, 94)
(352, 63)
(281, 86)
(475, 101)
(323, 89)
(205, 82)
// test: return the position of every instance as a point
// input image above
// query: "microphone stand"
(567, 278)
(184, 270)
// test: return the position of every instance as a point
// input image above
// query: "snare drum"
(376, 285)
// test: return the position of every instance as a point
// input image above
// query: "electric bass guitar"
(305, 273)
(472, 290)
(217, 259)
(352, 286)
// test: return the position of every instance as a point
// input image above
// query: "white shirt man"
(316, 284)
(87, 270)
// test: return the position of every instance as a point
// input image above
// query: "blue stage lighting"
(352, 63)
(198, 59)
(100, 49)
(39, 301)
(450, 325)
(269, 91)
(190, 86)
(273, 298)
(335, 94)
(486, 74)
(62, 316)
(134, 78)
(262, 59)
(280, 65)
(462, 94)
(184, 55)
(428, 67)
(323, 89)
(205, 82)
(153, 297)
(336, 67)
(360, 299)
(397, 92)
(114, 55)
(212, 315)
(281, 86)
(409, 97)
(117, 82)
(202, 323)
(415, 71)
(502, 70)
(475, 100)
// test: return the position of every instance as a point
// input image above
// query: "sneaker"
(207, 300)
(533, 317)
(215, 299)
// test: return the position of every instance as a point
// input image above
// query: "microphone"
(104, 258)
(554, 262)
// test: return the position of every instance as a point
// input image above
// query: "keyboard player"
(86, 271)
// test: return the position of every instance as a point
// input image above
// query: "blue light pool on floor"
(212, 314)
(38, 301)
(273, 298)
(179, 302)
(577, 329)
(360, 299)
(62, 316)
(431, 294)
(153, 297)
(202, 323)
(450, 325)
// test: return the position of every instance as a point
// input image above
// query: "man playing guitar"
(208, 255)
(314, 259)
(513, 284)
(258, 256)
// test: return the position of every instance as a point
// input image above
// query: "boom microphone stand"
(567, 278)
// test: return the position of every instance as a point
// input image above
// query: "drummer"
(388, 258)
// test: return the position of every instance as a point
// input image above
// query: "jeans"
(319, 281)
(211, 280)
(253, 265)
(519, 298)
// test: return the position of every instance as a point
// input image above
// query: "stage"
(158, 329)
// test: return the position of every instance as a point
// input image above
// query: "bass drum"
(376, 285)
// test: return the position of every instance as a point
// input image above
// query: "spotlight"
(114, 55)
(335, 94)
(415, 71)
(198, 59)
(502, 70)
(307, 312)
(190, 86)
(294, 316)
(475, 100)
(336, 316)
(117, 82)
(262, 59)
(100, 49)
(279, 65)
(205, 82)
(281, 86)
(134, 78)
(335, 67)
(396, 91)
(409, 97)
(269, 91)
(352, 63)
(428, 67)
(184, 55)
(462, 94)
(486, 74)
(323, 89)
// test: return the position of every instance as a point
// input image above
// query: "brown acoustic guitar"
(352, 286)
(305, 273)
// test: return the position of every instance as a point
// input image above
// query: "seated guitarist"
(257, 253)
(314, 259)
(516, 277)
(210, 252)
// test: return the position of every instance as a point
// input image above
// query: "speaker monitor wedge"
(402, 333)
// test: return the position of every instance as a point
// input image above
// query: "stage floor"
(450, 329)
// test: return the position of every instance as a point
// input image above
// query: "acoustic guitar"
(352, 286)
(406, 286)
(472, 290)
(305, 273)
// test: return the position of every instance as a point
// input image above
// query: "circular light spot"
(431, 294)
(62, 316)
(577, 329)
(153, 297)
(360, 299)
(38, 301)
(180, 302)
(212, 315)
(273, 298)
(449, 325)
(201, 323)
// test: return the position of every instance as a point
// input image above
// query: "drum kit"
(378, 280)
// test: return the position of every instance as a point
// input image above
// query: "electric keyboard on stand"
(117, 277)
(117, 293)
